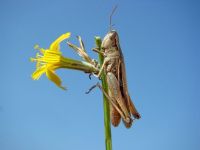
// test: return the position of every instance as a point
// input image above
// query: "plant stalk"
(107, 126)
(78, 65)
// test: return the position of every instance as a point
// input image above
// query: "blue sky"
(160, 41)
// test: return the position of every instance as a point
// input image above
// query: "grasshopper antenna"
(111, 16)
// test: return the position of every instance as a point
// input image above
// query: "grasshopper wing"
(124, 86)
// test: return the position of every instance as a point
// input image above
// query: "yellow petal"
(54, 78)
(37, 74)
(55, 45)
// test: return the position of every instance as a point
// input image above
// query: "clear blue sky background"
(160, 40)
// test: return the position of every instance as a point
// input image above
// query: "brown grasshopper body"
(121, 105)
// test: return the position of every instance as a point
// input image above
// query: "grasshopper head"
(110, 40)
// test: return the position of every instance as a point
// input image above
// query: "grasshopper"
(121, 105)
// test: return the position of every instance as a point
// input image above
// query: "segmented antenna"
(111, 16)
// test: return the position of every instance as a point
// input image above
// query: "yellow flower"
(48, 60)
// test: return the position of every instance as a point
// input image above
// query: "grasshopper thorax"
(110, 40)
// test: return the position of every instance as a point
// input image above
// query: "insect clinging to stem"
(121, 105)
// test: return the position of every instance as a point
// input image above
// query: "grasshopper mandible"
(121, 105)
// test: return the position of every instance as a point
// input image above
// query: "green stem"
(78, 65)
(108, 136)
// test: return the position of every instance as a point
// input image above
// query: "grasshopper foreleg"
(106, 60)
(98, 51)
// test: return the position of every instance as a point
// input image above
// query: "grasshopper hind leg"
(114, 116)
(127, 125)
